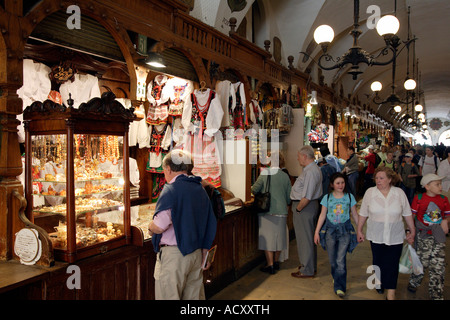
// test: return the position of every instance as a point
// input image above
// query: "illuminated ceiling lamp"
(155, 59)
(393, 99)
(386, 27)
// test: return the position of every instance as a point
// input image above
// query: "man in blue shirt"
(183, 230)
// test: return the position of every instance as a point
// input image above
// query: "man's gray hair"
(178, 161)
(308, 151)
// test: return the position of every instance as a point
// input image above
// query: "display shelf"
(77, 172)
(77, 181)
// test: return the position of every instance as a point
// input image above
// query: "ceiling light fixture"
(410, 84)
(155, 59)
(387, 27)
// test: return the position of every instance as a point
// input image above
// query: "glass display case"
(77, 175)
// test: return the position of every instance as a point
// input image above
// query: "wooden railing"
(202, 35)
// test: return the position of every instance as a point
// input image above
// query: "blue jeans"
(409, 193)
(337, 246)
(352, 178)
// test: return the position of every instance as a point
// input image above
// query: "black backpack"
(216, 201)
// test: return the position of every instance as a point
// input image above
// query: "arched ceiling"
(294, 22)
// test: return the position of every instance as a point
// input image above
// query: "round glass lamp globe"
(388, 25)
(376, 86)
(397, 109)
(323, 34)
(410, 84)
(418, 107)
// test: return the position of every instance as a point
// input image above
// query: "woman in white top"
(383, 206)
(444, 171)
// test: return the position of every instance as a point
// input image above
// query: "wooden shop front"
(111, 50)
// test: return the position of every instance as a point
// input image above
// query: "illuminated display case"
(77, 175)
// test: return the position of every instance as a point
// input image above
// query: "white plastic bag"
(409, 261)
(417, 267)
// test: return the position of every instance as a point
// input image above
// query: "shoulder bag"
(262, 199)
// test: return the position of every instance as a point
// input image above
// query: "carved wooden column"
(11, 73)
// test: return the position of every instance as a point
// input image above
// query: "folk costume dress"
(158, 97)
(237, 107)
(202, 117)
(256, 114)
(160, 141)
(178, 90)
(233, 101)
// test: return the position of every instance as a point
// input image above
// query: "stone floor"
(257, 285)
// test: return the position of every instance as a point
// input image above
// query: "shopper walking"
(331, 159)
(351, 169)
(408, 172)
(444, 171)
(305, 193)
(429, 163)
(183, 230)
(368, 175)
(327, 171)
(272, 231)
(335, 231)
(389, 162)
(383, 207)
(432, 212)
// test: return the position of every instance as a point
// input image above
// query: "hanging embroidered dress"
(177, 90)
(237, 110)
(202, 116)
(160, 139)
(158, 110)
(256, 114)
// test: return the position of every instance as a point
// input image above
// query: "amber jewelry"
(101, 151)
(115, 156)
(77, 145)
(88, 151)
(45, 149)
(59, 148)
(109, 148)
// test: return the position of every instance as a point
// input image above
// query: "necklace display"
(89, 151)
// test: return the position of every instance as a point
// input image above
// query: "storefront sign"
(27, 246)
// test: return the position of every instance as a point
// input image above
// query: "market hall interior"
(86, 120)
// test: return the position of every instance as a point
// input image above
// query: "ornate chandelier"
(386, 27)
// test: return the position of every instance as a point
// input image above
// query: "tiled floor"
(257, 285)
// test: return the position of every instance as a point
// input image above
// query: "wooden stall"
(111, 50)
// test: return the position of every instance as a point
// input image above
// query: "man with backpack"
(429, 163)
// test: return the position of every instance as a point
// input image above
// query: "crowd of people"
(401, 187)
(323, 200)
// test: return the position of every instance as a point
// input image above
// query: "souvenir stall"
(318, 128)
(95, 106)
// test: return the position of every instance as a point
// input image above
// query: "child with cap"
(408, 172)
(432, 213)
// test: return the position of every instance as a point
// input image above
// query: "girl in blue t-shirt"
(335, 231)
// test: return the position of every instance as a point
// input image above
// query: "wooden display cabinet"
(77, 175)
